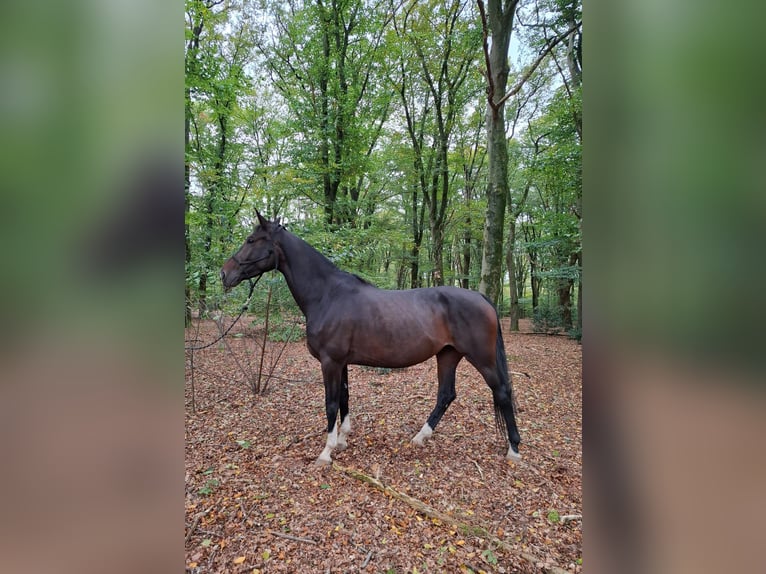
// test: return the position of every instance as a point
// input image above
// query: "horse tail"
(502, 366)
(501, 362)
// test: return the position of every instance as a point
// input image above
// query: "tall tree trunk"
(579, 294)
(187, 207)
(510, 262)
(415, 267)
(215, 192)
(500, 23)
(565, 302)
(535, 284)
(330, 186)
(510, 259)
(192, 49)
(466, 267)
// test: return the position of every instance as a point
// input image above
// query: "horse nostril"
(223, 275)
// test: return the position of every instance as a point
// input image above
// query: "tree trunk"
(500, 23)
(534, 281)
(579, 294)
(466, 267)
(497, 191)
(510, 262)
(415, 267)
(192, 49)
(565, 302)
(187, 207)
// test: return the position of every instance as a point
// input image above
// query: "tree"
(325, 60)
(439, 52)
(498, 19)
(216, 83)
(197, 14)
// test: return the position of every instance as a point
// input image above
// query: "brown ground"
(239, 494)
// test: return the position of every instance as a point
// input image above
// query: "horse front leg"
(332, 375)
(345, 419)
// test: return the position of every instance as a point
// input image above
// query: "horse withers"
(351, 322)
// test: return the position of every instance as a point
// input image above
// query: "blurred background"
(91, 176)
(91, 362)
(674, 204)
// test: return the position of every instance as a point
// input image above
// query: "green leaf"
(489, 556)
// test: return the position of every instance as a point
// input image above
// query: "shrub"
(547, 319)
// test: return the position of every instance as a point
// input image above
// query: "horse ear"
(263, 222)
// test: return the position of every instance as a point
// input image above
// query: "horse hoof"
(341, 447)
(322, 463)
(513, 456)
(417, 441)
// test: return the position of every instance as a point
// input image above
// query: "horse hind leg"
(505, 417)
(446, 362)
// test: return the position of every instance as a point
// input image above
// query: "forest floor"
(255, 502)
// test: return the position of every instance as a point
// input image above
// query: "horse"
(351, 322)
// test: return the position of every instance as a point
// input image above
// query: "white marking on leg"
(331, 445)
(424, 433)
(345, 429)
(514, 456)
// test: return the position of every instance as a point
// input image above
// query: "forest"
(413, 143)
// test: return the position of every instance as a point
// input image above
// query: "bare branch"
(534, 65)
(291, 537)
(485, 45)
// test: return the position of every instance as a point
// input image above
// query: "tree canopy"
(367, 127)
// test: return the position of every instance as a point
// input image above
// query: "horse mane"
(364, 281)
(353, 277)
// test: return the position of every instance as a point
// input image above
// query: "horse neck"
(307, 272)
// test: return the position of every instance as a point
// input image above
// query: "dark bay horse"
(349, 321)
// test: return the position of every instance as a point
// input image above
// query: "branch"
(485, 45)
(291, 537)
(533, 66)
(464, 527)
(570, 517)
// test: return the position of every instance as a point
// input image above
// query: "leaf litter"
(255, 502)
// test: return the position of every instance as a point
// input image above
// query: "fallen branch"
(291, 537)
(192, 528)
(195, 522)
(569, 518)
(304, 437)
(464, 527)
(481, 474)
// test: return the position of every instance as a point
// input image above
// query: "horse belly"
(402, 348)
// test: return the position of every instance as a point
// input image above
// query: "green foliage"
(547, 319)
(575, 333)
(301, 110)
(210, 486)
(489, 556)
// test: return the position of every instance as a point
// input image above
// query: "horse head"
(256, 255)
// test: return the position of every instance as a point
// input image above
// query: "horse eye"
(250, 239)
